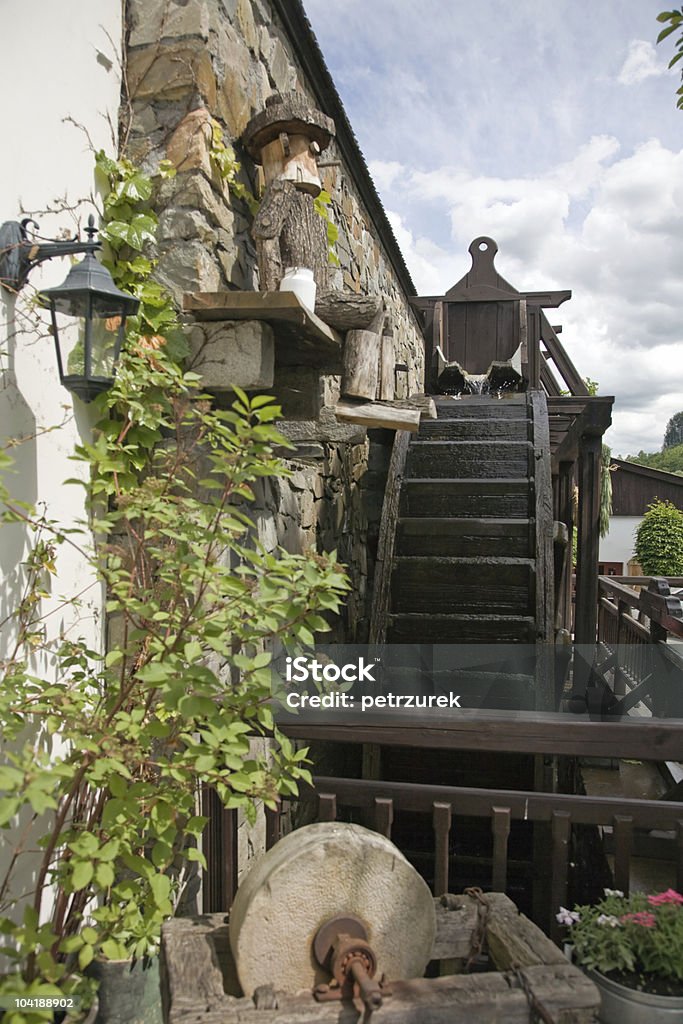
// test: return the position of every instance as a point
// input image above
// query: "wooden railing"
(557, 815)
(560, 813)
(639, 657)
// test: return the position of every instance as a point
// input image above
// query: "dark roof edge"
(302, 37)
(658, 474)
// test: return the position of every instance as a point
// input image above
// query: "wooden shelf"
(301, 338)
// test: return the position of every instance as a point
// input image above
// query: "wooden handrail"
(657, 602)
(387, 535)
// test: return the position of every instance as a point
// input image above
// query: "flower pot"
(623, 1005)
(128, 991)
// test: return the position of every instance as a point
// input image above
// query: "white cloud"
(578, 179)
(641, 63)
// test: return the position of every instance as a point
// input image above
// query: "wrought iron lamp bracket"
(19, 253)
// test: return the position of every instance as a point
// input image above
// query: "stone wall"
(201, 59)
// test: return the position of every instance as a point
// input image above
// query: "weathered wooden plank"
(464, 459)
(492, 585)
(497, 499)
(464, 537)
(513, 940)
(483, 428)
(475, 407)
(563, 993)
(196, 964)
(420, 628)
(456, 920)
(533, 733)
(384, 416)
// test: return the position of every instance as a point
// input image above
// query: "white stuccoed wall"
(57, 59)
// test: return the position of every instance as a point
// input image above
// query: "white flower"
(568, 917)
(608, 919)
(614, 892)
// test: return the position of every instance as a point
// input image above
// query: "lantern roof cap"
(88, 281)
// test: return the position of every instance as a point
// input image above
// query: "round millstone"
(310, 876)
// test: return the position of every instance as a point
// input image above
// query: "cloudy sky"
(550, 125)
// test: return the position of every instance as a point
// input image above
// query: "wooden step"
(498, 586)
(417, 627)
(481, 408)
(472, 498)
(470, 459)
(464, 537)
(473, 429)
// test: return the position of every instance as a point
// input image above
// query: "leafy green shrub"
(659, 540)
(114, 748)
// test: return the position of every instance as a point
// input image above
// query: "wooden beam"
(547, 299)
(499, 731)
(558, 354)
(590, 466)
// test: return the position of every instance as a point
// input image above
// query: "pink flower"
(670, 896)
(643, 918)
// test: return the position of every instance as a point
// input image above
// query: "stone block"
(245, 20)
(280, 68)
(299, 391)
(171, 72)
(185, 224)
(188, 267)
(238, 353)
(152, 22)
(324, 428)
(189, 145)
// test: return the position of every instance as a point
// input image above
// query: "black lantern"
(88, 311)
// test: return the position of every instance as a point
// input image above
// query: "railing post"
(619, 676)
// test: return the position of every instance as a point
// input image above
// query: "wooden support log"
(346, 311)
(361, 358)
(361, 364)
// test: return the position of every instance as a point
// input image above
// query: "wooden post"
(565, 513)
(219, 842)
(590, 464)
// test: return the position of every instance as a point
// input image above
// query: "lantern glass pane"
(103, 338)
(71, 344)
